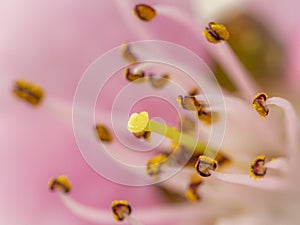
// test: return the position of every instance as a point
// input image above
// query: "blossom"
(267, 147)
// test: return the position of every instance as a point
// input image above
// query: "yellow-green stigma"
(141, 122)
(215, 33)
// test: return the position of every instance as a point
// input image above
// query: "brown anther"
(144, 12)
(59, 183)
(259, 104)
(159, 82)
(257, 167)
(215, 33)
(194, 91)
(154, 165)
(29, 92)
(120, 209)
(190, 103)
(133, 77)
(103, 133)
(127, 54)
(143, 134)
(205, 164)
(195, 182)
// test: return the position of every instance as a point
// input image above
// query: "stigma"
(31, 93)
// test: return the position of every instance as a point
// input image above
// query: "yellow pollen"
(103, 133)
(191, 193)
(138, 122)
(133, 77)
(205, 164)
(127, 54)
(144, 134)
(59, 183)
(29, 92)
(215, 33)
(159, 82)
(154, 165)
(259, 104)
(144, 12)
(257, 168)
(120, 209)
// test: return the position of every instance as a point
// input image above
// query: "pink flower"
(59, 41)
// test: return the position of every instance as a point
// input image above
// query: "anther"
(59, 183)
(159, 82)
(189, 103)
(205, 164)
(191, 193)
(193, 91)
(120, 209)
(154, 165)
(215, 33)
(103, 133)
(257, 167)
(29, 92)
(127, 54)
(259, 104)
(138, 122)
(143, 134)
(144, 12)
(137, 76)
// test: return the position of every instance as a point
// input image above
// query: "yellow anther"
(207, 117)
(193, 91)
(133, 76)
(144, 134)
(257, 168)
(205, 164)
(190, 103)
(59, 183)
(103, 133)
(127, 54)
(120, 209)
(259, 104)
(154, 165)
(29, 92)
(215, 33)
(159, 82)
(138, 122)
(191, 193)
(144, 12)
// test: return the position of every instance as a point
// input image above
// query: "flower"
(269, 180)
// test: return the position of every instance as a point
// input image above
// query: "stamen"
(103, 133)
(144, 12)
(194, 91)
(291, 123)
(154, 165)
(257, 168)
(205, 164)
(120, 209)
(127, 54)
(59, 183)
(215, 33)
(29, 92)
(140, 122)
(159, 82)
(144, 134)
(192, 191)
(259, 104)
(133, 77)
